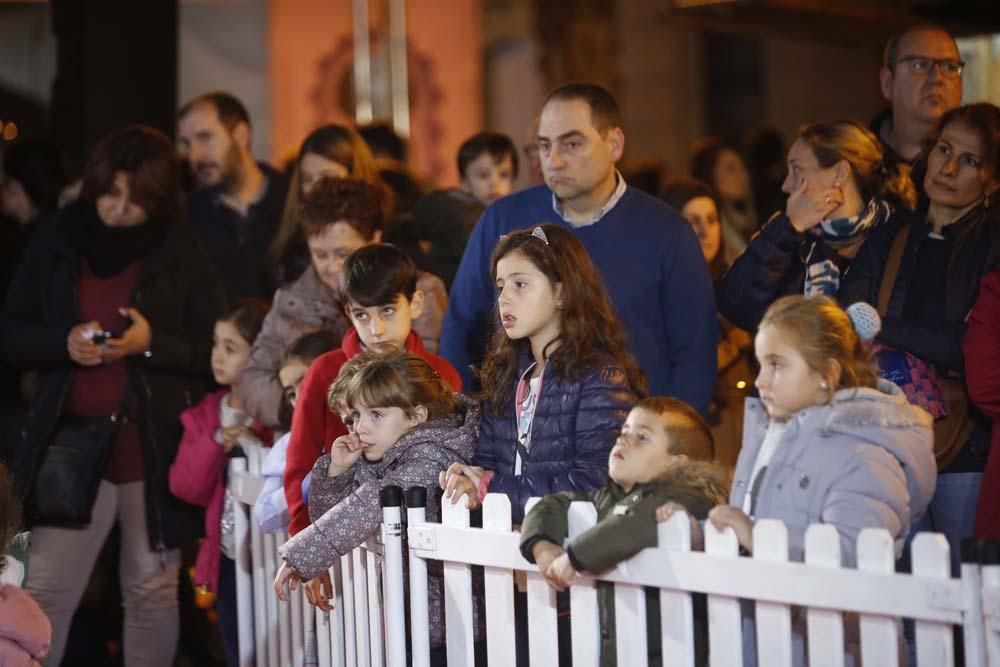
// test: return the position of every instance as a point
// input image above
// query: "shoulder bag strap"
(891, 269)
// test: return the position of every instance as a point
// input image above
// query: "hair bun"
(865, 319)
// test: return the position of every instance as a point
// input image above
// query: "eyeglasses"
(923, 65)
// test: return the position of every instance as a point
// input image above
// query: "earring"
(823, 385)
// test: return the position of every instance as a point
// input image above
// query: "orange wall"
(309, 52)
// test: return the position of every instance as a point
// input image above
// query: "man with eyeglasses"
(921, 78)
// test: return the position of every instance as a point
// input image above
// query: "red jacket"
(197, 476)
(982, 376)
(315, 427)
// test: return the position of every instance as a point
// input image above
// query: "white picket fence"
(276, 634)
(368, 628)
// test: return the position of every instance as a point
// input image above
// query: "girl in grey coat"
(827, 441)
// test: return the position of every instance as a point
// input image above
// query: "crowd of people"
(835, 361)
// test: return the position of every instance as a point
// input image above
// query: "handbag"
(69, 477)
(952, 430)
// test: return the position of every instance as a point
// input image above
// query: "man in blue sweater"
(648, 254)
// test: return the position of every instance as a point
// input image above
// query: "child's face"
(290, 378)
(527, 300)
(380, 428)
(642, 450)
(487, 179)
(786, 382)
(387, 325)
(230, 353)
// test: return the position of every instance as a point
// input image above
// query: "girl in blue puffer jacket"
(559, 380)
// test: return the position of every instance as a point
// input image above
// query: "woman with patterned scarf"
(839, 189)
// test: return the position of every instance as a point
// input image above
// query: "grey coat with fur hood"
(863, 460)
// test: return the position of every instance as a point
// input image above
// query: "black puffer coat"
(180, 297)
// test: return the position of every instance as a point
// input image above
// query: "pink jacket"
(197, 476)
(25, 632)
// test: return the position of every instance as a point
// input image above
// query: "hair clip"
(539, 233)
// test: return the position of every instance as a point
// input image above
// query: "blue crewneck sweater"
(652, 266)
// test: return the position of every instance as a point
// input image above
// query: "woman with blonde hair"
(839, 189)
(331, 151)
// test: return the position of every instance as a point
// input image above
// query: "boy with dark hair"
(663, 455)
(381, 299)
(487, 166)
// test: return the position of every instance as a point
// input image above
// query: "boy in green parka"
(663, 455)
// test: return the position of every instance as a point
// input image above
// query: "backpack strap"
(892, 264)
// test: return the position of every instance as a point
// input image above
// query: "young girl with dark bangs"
(559, 380)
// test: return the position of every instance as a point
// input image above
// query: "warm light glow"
(10, 132)
(741, 385)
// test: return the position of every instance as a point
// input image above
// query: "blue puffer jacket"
(572, 433)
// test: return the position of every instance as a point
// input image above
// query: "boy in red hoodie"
(380, 290)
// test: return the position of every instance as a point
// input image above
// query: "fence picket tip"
(989, 552)
(416, 496)
(497, 513)
(391, 496)
(675, 532)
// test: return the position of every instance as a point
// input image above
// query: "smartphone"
(101, 337)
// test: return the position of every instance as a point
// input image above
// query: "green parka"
(626, 524)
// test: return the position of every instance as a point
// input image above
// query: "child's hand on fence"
(285, 581)
(545, 553)
(561, 573)
(344, 453)
(474, 473)
(319, 592)
(667, 510)
(456, 484)
(722, 516)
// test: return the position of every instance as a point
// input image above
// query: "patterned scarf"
(823, 273)
(845, 231)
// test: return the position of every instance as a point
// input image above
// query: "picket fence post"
(935, 643)
(725, 621)
(416, 516)
(825, 627)
(676, 610)
(630, 624)
(458, 593)
(499, 589)
(542, 622)
(879, 634)
(774, 620)
(391, 498)
(973, 638)
(244, 572)
(585, 625)
(989, 559)
(297, 628)
(359, 577)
